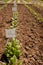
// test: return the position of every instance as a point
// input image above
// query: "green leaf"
(20, 62)
(12, 50)
(13, 60)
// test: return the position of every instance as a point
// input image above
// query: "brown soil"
(30, 34)
(5, 19)
(37, 9)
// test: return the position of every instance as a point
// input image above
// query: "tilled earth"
(5, 20)
(30, 34)
(37, 9)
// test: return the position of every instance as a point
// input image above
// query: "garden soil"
(30, 34)
(38, 9)
(5, 21)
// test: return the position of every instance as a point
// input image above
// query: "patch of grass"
(36, 15)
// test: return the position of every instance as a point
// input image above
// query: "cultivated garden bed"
(29, 33)
(5, 21)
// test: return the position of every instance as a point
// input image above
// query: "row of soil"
(37, 9)
(5, 21)
(30, 34)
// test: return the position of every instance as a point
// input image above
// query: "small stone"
(37, 53)
(32, 58)
(27, 48)
(2, 63)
